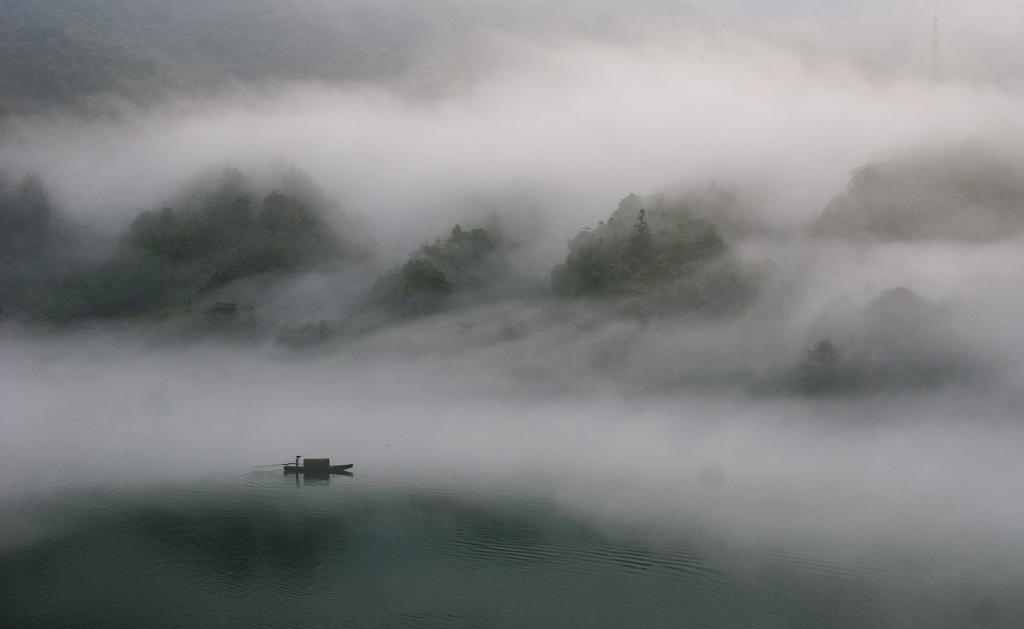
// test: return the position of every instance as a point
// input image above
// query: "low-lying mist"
(834, 347)
(938, 468)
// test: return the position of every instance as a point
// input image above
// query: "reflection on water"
(266, 549)
(316, 479)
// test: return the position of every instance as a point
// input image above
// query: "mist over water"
(562, 443)
(943, 462)
(868, 505)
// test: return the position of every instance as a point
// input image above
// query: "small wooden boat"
(316, 466)
(302, 469)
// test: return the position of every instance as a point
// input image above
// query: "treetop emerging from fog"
(220, 231)
(970, 192)
(423, 119)
(662, 250)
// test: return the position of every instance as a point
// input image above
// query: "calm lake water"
(263, 549)
(131, 497)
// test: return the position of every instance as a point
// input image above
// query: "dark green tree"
(660, 250)
(213, 235)
(640, 246)
(820, 370)
(465, 261)
(35, 246)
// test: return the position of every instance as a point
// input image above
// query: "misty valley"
(654, 315)
(224, 260)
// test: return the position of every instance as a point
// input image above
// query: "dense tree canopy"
(30, 235)
(652, 257)
(465, 261)
(896, 341)
(663, 251)
(821, 371)
(219, 232)
(969, 192)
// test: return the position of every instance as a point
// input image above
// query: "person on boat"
(297, 461)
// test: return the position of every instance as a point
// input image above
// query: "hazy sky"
(780, 102)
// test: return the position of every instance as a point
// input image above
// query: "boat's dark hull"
(302, 469)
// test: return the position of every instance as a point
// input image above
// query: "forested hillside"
(661, 253)
(968, 192)
(221, 231)
(35, 242)
(466, 261)
(745, 297)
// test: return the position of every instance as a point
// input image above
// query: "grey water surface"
(264, 549)
(132, 497)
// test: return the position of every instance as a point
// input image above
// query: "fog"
(579, 120)
(934, 471)
(689, 416)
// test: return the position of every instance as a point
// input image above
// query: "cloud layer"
(577, 121)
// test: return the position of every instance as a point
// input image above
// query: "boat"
(316, 466)
(332, 469)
